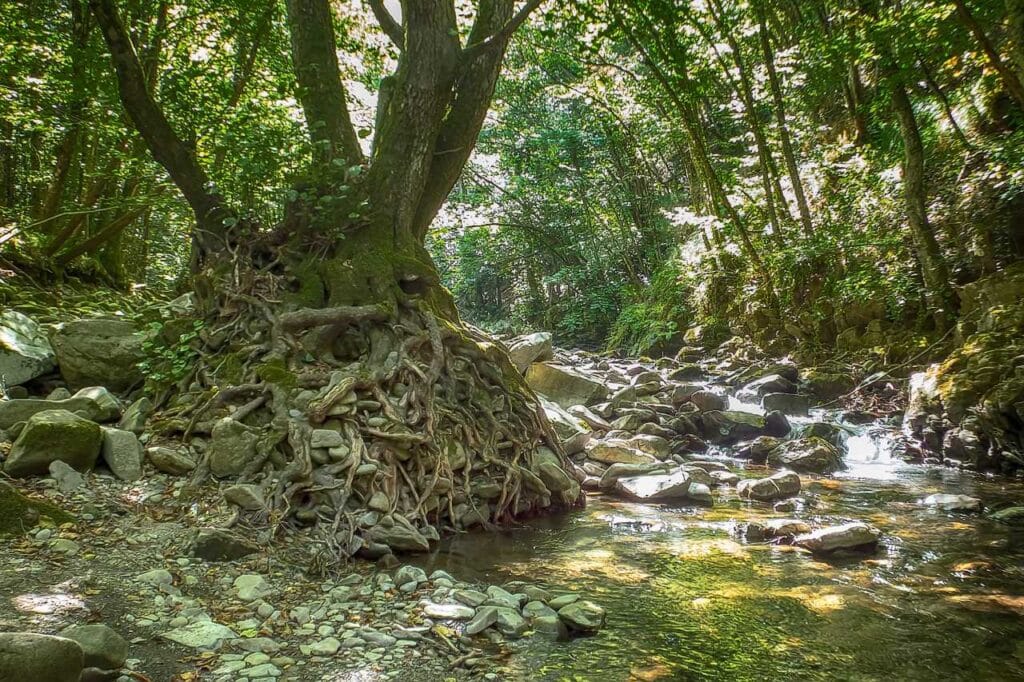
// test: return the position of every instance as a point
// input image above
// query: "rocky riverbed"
(734, 530)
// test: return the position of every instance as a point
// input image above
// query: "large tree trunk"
(336, 320)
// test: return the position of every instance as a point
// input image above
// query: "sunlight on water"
(739, 406)
(869, 455)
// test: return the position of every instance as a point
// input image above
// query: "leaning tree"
(333, 368)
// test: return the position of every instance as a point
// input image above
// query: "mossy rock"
(18, 512)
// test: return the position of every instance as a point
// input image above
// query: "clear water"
(942, 599)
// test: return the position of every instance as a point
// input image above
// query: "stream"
(689, 599)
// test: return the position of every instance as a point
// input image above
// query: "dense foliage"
(808, 169)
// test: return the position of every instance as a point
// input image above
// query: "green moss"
(18, 512)
(229, 371)
(275, 372)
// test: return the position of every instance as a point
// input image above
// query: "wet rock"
(538, 609)
(706, 401)
(757, 450)
(777, 486)
(525, 350)
(848, 536)
(787, 403)
(778, 528)
(652, 429)
(771, 383)
(688, 371)
(170, 460)
(565, 385)
(50, 436)
(68, 480)
(776, 424)
(960, 503)
(217, 544)
(681, 393)
(613, 451)
(232, 447)
(25, 352)
(833, 434)
(812, 455)
(103, 647)
(826, 385)
(122, 453)
(583, 616)
(99, 352)
(200, 635)
(731, 426)
(26, 656)
(655, 487)
(622, 470)
(1011, 516)
(245, 496)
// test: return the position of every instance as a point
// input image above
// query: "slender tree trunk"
(934, 270)
(780, 116)
(1015, 31)
(1011, 81)
(947, 107)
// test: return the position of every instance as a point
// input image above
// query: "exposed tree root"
(426, 427)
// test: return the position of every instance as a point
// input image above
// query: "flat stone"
(856, 535)
(200, 635)
(217, 544)
(325, 647)
(583, 616)
(245, 496)
(252, 586)
(777, 486)
(485, 617)
(448, 611)
(509, 623)
(170, 460)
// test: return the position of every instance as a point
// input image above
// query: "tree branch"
(149, 119)
(321, 92)
(500, 37)
(388, 24)
(307, 318)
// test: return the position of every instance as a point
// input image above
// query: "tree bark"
(934, 270)
(1015, 31)
(321, 92)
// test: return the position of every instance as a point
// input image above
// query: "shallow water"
(687, 599)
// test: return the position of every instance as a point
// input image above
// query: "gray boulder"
(849, 536)
(232, 447)
(583, 616)
(655, 487)
(707, 401)
(83, 403)
(135, 416)
(102, 646)
(811, 455)
(122, 453)
(525, 350)
(565, 385)
(245, 496)
(775, 487)
(103, 352)
(170, 461)
(396, 532)
(772, 383)
(614, 451)
(27, 656)
(573, 433)
(25, 352)
(217, 544)
(787, 403)
(54, 435)
(731, 426)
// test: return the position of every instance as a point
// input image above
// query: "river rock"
(122, 453)
(448, 611)
(50, 436)
(509, 623)
(655, 487)
(833, 434)
(25, 352)
(245, 496)
(583, 616)
(407, 575)
(135, 416)
(396, 532)
(572, 432)
(485, 617)
(232, 447)
(771, 383)
(594, 420)
(565, 385)
(1011, 516)
(787, 403)
(812, 455)
(68, 480)
(21, 410)
(103, 647)
(616, 471)
(170, 460)
(653, 445)
(757, 450)
(731, 426)
(613, 451)
(218, 544)
(538, 609)
(525, 350)
(27, 656)
(856, 535)
(252, 586)
(706, 401)
(99, 352)
(960, 503)
(724, 477)
(775, 487)
(200, 635)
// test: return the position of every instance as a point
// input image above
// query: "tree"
(338, 310)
